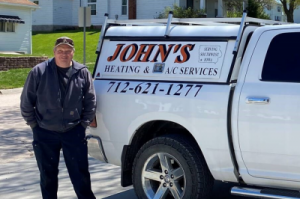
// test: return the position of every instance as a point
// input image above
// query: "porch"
(214, 8)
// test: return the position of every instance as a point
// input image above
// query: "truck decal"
(150, 88)
(135, 52)
(186, 60)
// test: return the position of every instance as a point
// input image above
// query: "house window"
(277, 18)
(10, 27)
(7, 26)
(279, 8)
(2, 26)
(190, 4)
(36, 2)
(92, 4)
(124, 7)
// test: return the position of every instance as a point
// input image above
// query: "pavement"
(10, 53)
(19, 175)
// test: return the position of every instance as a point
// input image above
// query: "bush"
(234, 14)
(256, 10)
(179, 12)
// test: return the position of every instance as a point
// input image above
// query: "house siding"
(147, 9)
(44, 15)
(20, 40)
(63, 12)
(296, 15)
(211, 7)
(107, 6)
(182, 3)
(116, 9)
(55, 14)
(75, 8)
(100, 11)
(274, 14)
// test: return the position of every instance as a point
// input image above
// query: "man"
(58, 102)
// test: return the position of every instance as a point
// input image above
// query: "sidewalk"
(21, 180)
(19, 175)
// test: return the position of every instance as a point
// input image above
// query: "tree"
(265, 3)
(179, 12)
(256, 10)
(289, 6)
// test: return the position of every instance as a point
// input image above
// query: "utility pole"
(84, 20)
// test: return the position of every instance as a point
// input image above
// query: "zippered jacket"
(41, 98)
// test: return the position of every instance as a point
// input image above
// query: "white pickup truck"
(190, 101)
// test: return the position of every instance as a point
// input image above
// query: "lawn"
(42, 45)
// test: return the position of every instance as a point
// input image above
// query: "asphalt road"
(19, 176)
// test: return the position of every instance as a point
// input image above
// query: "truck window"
(282, 62)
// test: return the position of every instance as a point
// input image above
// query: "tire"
(171, 167)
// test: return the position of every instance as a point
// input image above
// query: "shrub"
(256, 10)
(234, 14)
(179, 12)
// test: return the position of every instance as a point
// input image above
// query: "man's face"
(63, 55)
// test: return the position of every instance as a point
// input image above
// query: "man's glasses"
(67, 52)
(65, 41)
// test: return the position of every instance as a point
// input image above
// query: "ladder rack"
(196, 21)
(185, 21)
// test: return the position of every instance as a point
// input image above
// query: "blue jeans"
(47, 145)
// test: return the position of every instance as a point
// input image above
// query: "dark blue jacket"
(41, 98)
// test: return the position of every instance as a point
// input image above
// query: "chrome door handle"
(257, 100)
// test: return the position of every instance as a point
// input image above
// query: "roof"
(13, 19)
(19, 2)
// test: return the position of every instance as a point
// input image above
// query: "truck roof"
(177, 31)
(277, 27)
(185, 27)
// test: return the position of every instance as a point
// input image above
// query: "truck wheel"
(170, 167)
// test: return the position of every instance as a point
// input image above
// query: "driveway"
(19, 176)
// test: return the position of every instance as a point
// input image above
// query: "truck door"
(269, 107)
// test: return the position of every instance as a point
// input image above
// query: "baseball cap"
(64, 40)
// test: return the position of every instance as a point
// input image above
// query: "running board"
(265, 193)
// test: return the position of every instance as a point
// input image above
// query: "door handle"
(257, 100)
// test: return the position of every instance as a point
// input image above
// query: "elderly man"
(58, 102)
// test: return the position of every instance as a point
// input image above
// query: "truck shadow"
(220, 191)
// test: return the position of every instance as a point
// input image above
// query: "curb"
(11, 91)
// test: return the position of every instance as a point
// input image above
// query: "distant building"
(62, 14)
(15, 25)
(275, 11)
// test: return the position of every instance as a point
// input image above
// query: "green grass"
(13, 78)
(42, 45)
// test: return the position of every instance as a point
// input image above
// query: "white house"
(15, 25)
(56, 14)
(275, 11)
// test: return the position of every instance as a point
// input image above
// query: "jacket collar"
(76, 65)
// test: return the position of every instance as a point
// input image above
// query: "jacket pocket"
(71, 115)
(52, 116)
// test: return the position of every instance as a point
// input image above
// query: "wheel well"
(145, 133)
